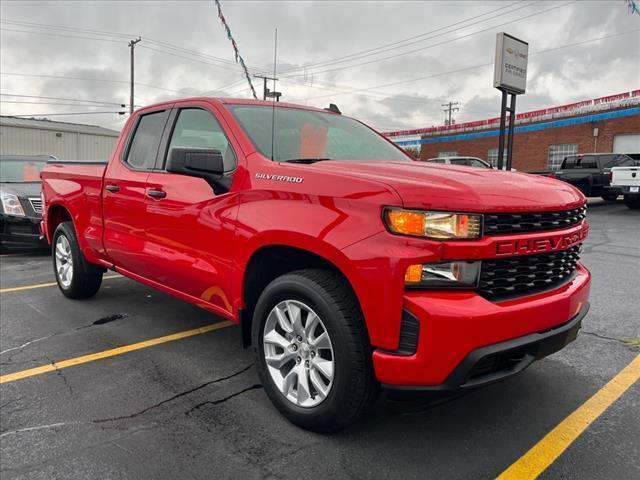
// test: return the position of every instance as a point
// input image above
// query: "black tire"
(85, 278)
(632, 202)
(354, 387)
(609, 197)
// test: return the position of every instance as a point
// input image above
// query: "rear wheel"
(75, 276)
(632, 202)
(312, 350)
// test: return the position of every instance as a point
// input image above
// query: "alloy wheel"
(298, 353)
(64, 261)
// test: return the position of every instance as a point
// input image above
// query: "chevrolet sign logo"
(527, 246)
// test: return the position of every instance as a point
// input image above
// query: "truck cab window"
(588, 161)
(197, 128)
(146, 139)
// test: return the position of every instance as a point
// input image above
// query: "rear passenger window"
(588, 161)
(146, 139)
(197, 128)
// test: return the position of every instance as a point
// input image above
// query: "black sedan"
(20, 201)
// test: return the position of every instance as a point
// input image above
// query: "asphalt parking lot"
(190, 406)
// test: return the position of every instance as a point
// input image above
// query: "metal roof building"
(66, 141)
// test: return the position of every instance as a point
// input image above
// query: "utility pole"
(266, 93)
(132, 46)
(450, 109)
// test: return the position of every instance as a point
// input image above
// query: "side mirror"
(205, 163)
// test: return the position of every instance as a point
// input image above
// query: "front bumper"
(21, 232)
(466, 341)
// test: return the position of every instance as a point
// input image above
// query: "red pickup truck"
(349, 265)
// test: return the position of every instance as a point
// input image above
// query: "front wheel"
(312, 350)
(76, 278)
(633, 202)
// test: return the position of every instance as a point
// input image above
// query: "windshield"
(20, 171)
(305, 134)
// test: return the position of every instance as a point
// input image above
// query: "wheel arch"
(272, 261)
(56, 214)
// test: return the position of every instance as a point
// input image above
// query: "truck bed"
(78, 186)
(625, 176)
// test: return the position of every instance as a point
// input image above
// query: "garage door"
(626, 143)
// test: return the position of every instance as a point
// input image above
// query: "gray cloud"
(312, 32)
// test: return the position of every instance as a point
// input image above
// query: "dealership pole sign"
(510, 71)
(510, 77)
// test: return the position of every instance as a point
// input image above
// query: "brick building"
(542, 138)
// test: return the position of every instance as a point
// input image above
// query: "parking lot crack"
(224, 399)
(174, 397)
(604, 337)
(61, 375)
(40, 427)
(100, 321)
(26, 344)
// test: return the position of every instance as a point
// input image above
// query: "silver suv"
(466, 161)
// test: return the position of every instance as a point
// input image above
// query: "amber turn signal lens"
(414, 274)
(406, 222)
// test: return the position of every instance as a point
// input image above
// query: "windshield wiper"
(305, 160)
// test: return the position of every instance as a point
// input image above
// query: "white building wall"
(63, 145)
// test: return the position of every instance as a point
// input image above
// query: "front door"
(190, 229)
(124, 193)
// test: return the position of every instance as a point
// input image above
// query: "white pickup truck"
(628, 180)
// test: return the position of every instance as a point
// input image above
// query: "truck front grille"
(516, 276)
(36, 204)
(505, 223)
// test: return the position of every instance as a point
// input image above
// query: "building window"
(447, 154)
(492, 157)
(557, 154)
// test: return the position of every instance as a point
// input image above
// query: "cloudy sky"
(391, 64)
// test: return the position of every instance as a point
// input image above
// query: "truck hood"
(23, 189)
(458, 188)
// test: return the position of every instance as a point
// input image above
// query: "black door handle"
(156, 193)
(112, 188)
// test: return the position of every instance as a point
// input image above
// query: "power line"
(64, 77)
(67, 113)
(52, 34)
(234, 68)
(409, 52)
(473, 67)
(52, 103)
(122, 36)
(60, 98)
(384, 47)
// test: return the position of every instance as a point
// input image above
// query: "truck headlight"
(434, 225)
(460, 274)
(11, 205)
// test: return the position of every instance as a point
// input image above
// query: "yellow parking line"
(44, 285)
(547, 450)
(51, 367)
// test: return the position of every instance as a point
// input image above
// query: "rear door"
(124, 193)
(190, 228)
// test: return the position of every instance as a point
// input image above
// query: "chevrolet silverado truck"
(348, 265)
(627, 179)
